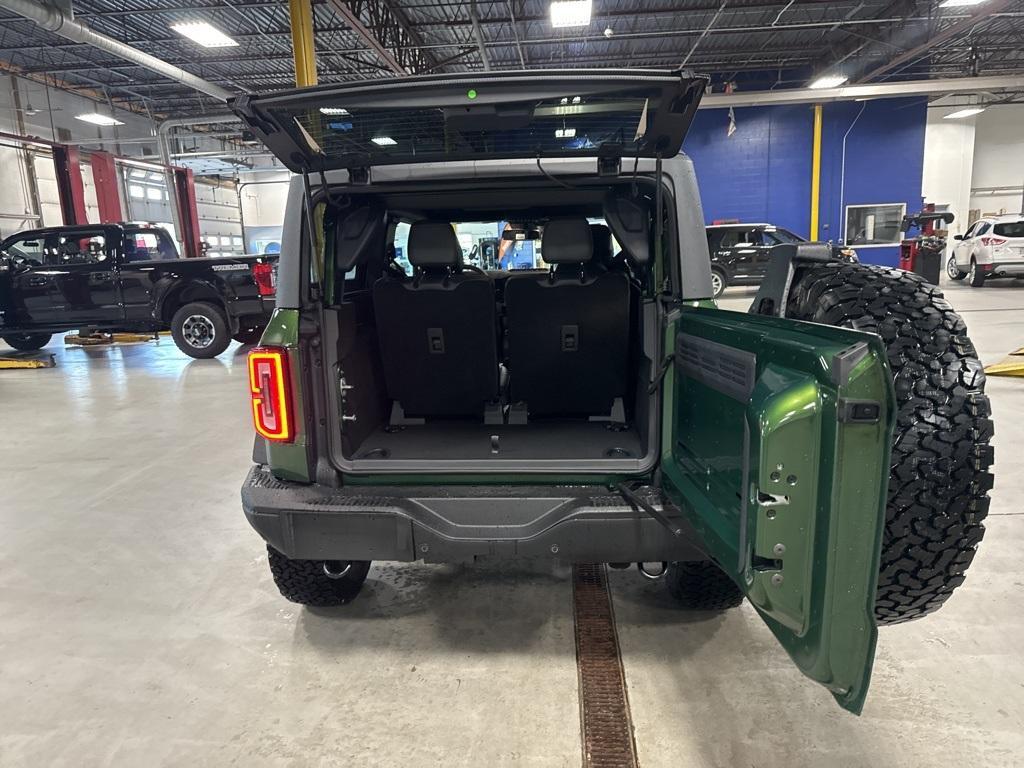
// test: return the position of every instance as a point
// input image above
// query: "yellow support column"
(816, 172)
(301, 13)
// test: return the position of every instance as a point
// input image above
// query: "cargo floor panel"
(536, 441)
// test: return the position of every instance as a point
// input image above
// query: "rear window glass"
(554, 127)
(1009, 229)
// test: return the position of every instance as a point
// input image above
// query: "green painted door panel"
(776, 443)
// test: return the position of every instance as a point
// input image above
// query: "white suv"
(991, 247)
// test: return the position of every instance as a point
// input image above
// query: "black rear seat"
(568, 331)
(438, 329)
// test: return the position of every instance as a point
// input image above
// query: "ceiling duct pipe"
(54, 20)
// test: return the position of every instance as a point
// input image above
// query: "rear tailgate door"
(494, 115)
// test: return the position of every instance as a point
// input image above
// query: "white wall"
(949, 164)
(263, 197)
(999, 160)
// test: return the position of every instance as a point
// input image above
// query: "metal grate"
(607, 728)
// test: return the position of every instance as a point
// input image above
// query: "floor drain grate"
(607, 728)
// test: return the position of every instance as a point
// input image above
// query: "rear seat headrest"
(602, 243)
(567, 241)
(433, 244)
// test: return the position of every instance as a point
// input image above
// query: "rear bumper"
(456, 523)
(1003, 268)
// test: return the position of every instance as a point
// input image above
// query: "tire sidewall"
(723, 283)
(217, 319)
(976, 276)
(27, 342)
(953, 271)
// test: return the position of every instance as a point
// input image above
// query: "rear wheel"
(200, 330)
(718, 282)
(27, 342)
(702, 586)
(939, 472)
(976, 276)
(953, 271)
(321, 583)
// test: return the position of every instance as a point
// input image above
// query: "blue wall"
(760, 173)
(763, 171)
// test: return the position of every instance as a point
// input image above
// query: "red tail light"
(263, 274)
(270, 388)
(993, 240)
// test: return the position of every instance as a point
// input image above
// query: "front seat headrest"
(434, 244)
(567, 241)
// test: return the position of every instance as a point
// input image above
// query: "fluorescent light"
(204, 33)
(565, 133)
(570, 13)
(97, 119)
(829, 81)
(960, 3)
(333, 111)
(383, 141)
(968, 112)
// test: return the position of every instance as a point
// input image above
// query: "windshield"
(493, 245)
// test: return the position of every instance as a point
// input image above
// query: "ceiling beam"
(984, 12)
(387, 33)
(865, 91)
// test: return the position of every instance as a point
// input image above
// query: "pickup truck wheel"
(939, 473)
(200, 330)
(317, 582)
(702, 586)
(27, 342)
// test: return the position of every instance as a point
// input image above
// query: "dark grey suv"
(739, 252)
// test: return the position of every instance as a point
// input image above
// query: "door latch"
(343, 390)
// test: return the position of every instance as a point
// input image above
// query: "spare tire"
(939, 478)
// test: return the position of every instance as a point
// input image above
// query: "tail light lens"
(270, 388)
(263, 274)
(993, 240)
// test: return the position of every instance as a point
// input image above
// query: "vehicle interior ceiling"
(487, 324)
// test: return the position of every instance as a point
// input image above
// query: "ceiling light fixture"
(968, 112)
(384, 141)
(828, 81)
(571, 13)
(97, 119)
(204, 33)
(960, 3)
(334, 111)
(565, 133)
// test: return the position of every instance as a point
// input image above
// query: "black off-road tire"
(702, 586)
(939, 476)
(186, 324)
(305, 582)
(27, 342)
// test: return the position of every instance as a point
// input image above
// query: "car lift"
(8, 363)
(1009, 366)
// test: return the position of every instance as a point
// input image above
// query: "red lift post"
(108, 196)
(185, 194)
(71, 190)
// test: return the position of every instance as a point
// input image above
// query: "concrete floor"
(139, 624)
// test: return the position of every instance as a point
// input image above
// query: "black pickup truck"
(129, 277)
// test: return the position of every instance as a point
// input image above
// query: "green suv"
(495, 338)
